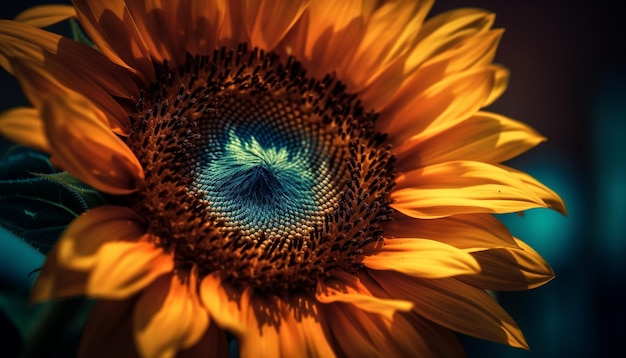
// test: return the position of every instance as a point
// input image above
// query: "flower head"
(311, 177)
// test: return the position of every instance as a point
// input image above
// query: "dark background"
(568, 80)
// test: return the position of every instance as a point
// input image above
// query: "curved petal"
(552, 199)
(124, 268)
(264, 324)
(203, 21)
(112, 29)
(77, 66)
(88, 149)
(470, 232)
(267, 22)
(24, 126)
(420, 258)
(46, 15)
(455, 305)
(347, 288)
(78, 246)
(484, 137)
(510, 269)
(155, 21)
(108, 331)
(57, 281)
(441, 106)
(169, 316)
(443, 31)
(356, 333)
(501, 77)
(461, 187)
(213, 344)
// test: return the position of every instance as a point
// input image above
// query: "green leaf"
(36, 201)
(78, 34)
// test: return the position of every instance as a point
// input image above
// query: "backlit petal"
(347, 288)
(87, 148)
(112, 29)
(46, 15)
(470, 232)
(484, 137)
(455, 305)
(421, 258)
(170, 310)
(24, 126)
(461, 187)
(78, 246)
(124, 268)
(510, 269)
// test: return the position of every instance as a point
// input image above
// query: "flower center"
(256, 170)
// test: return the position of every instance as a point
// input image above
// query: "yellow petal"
(484, 137)
(112, 29)
(108, 331)
(46, 15)
(461, 187)
(347, 288)
(510, 269)
(552, 199)
(124, 268)
(470, 232)
(86, 148)
(78, 246)
(24, 126)
(169, 316)
(441, 106)
(421, 258)
(500, 84)
(455, 305)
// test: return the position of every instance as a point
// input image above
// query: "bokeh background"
(569, 82)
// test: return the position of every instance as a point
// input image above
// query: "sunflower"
(312, 178)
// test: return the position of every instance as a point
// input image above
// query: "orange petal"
(108, 331)
(77, 66)
(212, 344)
(46, 15)
(57, 281)
(78, 246)
(24, 126)
(441, 32)
(301, 332)
(267, 22)
(155, 23)
(169, 316)
(202, 21)
(421, 258)
(112, 29)
(441, 106)
(87, 148)
(461, 187)
(347, 288)
(470, 232)
(124, 268)
(484, 137)
(510, 269)
(455, 305)
(361, 334)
